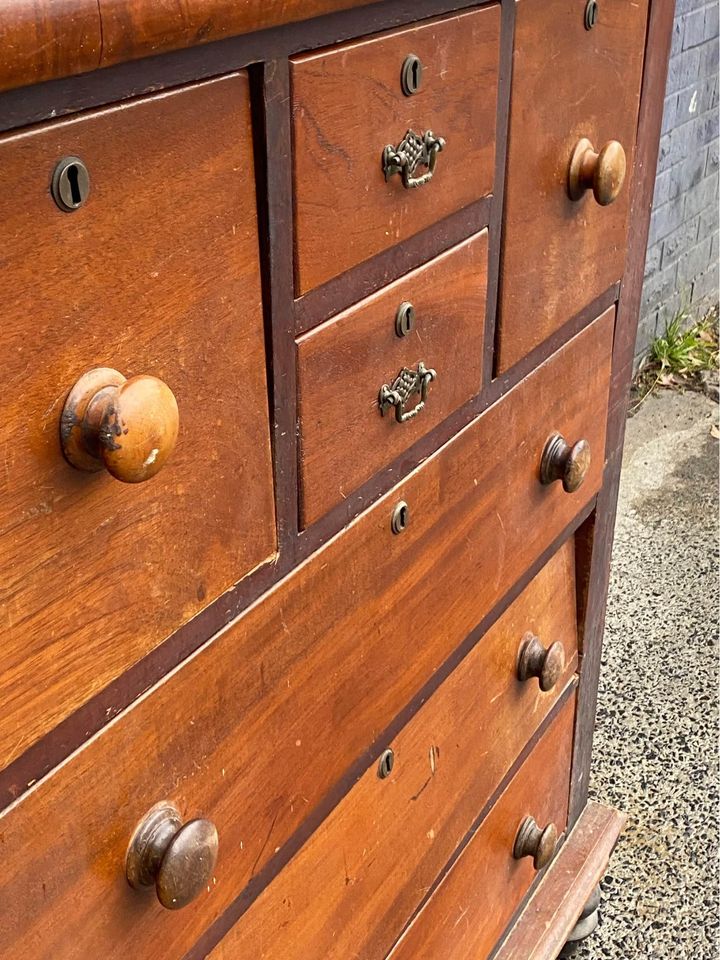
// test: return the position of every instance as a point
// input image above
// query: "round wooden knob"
(560, 461)
(545, 663)
(128, 427)
(177, 859)
(603, 172)
(533, 842)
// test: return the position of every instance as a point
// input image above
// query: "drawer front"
(353, 886)
(156, 273)
(559, 254)
(472, 906)
(344, 364)
(348, 105)
(259, 727)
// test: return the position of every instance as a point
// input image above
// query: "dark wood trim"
(276, 248)
(327, 526)
(496, 223)
(322, 303)
(657, 50)
(57, 98)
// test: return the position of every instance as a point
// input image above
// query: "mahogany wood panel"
(558, 254)
(471, 907)
(343, 363)
(156, 274)
(352, 887)
(45, 39)
(262, 723)
(348, 104)
(553, 910)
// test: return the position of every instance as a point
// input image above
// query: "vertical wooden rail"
(274, 138)
(657, 50)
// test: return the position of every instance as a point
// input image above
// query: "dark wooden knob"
(533, 842)
(128, 427)
(603, 172)
(545, 663)
(177, 859)
(560, 461)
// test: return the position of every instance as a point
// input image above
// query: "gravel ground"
(656, 741)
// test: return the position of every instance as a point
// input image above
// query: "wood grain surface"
(343, 363)
(348, 104)
(357, 881)
(477, 898)
(156, 274)
(262, 723)
(553, 910)
(45, 39)
(558, 255)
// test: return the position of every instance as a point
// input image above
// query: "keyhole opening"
(400, 517)
(415, 74)
(411, 75)
(73, 175)
(386, 764)
(591, 14)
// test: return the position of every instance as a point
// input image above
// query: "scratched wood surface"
(144, 278)
(45, 39)
(357, 881)
(264, 722)
(343, 363)
(558, 255)
(345, 212)
(475, 901)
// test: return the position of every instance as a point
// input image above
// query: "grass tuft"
(681, 358)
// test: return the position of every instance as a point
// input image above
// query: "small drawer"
(349, 103)
(272, 718)
(428, 325)
(469, 911)
(564, 239)
(361, 876)
(155, 274)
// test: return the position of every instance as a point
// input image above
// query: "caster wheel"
(587, 924)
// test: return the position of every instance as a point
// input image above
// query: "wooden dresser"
(318, 322)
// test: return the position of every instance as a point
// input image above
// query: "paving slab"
(658, 724)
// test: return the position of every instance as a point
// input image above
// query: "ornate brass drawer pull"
(412, 151)
(405, 385)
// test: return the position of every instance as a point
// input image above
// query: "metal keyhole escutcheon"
(591, 14)
(405, 319)
(70, 184)
(411, 75)
(386, 764)
(400, 517)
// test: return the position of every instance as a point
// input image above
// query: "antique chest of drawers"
(317, 330)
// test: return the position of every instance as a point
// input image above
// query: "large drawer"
(269, 723)
(468, 912)
(560, 253)
(348, 104)
(155, 273)
(362, 875)
(344, 365)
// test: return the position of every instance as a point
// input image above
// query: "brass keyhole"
(405, 319)
(70, 184)
(411, 75)
(400, 517)
(591, 14)
(386, 764)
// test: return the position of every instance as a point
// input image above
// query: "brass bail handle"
(413, 151)
(406, 384)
